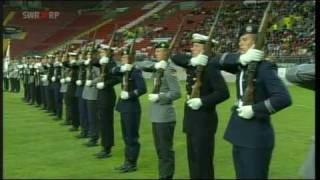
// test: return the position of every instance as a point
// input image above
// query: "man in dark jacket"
(250, 130)
(200, 117)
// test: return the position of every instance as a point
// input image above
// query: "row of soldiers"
(12, 73)
(85, 80)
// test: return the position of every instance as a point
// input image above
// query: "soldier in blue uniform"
(50, 92)
(43, 72)
(71, 89)
(200, 116)
(55, 79)
(37, 80)
(249, 129)
(128, 106)
(106, 99)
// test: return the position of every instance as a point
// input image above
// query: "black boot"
(73, 129)
(103, 154)
(167, 177)
(129, 166)
(82, 135)
(91, 143)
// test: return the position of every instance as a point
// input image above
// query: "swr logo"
(40, 15)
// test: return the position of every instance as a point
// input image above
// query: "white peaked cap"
(200, 38)
(72, 53)
(104, 46)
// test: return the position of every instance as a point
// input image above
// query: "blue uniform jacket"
(137, 87)
(270, 96)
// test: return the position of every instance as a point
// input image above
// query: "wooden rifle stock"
(207, 51)
(103, 75)
(130, 61)
(159, 72)
(248, 96)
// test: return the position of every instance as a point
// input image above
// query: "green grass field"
(35, 146)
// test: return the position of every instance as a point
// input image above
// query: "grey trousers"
(163, 141)
(93, 121)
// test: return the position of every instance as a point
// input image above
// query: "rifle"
(207, 51)
(159, 72)
(130, 60)
(252, 67)
(103, 74)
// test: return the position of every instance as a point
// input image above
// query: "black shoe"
(128, 168)
(57, 119)
(91, 143)
(65, 123)
(166, 177)
(73, 129)
(119, 168)
(52, 114)
(103, 154)
(82, 135)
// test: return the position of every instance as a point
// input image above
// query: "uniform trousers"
(93, 121)
(251, 162)
(130, 123)
(83, 115)
(57, 99)
(163, 134)
(106, 127)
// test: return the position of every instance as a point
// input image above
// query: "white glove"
(245, 112)
(56, 64)
(153, 97)
(124, 95)
(53, 79)
(104, 60)
(100, 85)
(72, 61)
(126, 67)
(62, 81)
(25, 65)
(251, 55)
(194, 103)
(68, 79)
(160, 65)
(44, 78)
(86, 62)
(201, 60)
(88, 82)
(79, 82)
